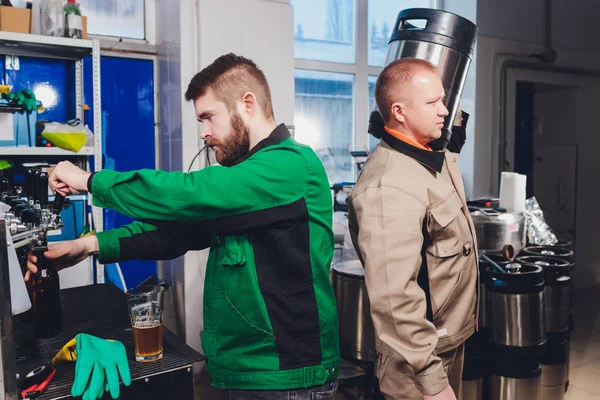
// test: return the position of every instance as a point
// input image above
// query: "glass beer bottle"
(47, 313)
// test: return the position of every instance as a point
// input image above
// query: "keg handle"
(405, 24)
(485, 258)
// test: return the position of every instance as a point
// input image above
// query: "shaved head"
(395, 83)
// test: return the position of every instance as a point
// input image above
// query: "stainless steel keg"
(473, 368)
(515, 379)
(357, 334)
(554, 366)
(516, 306)
(550, 251)
(557, 291)
(505, 388)
(447, 41)
(486, 278)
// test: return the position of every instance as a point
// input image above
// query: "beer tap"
(42, 195)
(4, 189)
(37, 237)
(31, 218)
(16, 201)
(30, 185)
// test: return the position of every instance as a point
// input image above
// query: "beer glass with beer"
(146, 305)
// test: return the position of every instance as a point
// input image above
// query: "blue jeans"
(323, 392)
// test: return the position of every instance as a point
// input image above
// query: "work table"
(101, 310)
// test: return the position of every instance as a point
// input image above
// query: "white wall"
(513, 30)
(492, 52)
(573, 22)
(207, 30)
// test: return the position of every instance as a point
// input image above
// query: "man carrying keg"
(411, 227)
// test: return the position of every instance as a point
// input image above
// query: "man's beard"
(235, 146)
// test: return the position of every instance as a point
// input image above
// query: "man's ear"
(249, 103)
(397, 112)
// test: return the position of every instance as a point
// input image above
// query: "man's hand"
(65, 254)
(446, 394)
(68, 179)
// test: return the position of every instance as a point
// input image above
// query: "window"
(340, 48)
(382, 17)
(123, 18)
(372, 80)
(324, 30)
(323, 119)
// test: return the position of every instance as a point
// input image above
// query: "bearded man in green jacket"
(270, 315)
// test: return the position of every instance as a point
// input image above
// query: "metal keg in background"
(516, 306)
(447, 41)
(554, 366)
(557, 291)
(549, 251)
(495, 229)
(357, 334)
(514, 378)
(473, 369)
(564, 244)
(486, 278)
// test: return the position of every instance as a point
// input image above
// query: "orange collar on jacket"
(401, 136)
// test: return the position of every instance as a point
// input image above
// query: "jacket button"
(453, 159)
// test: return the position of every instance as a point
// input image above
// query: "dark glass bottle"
(47, 312)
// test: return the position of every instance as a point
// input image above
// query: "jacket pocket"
(246, 321)
(444, 227)
(440, 311)
(234, 254)
(243, 344)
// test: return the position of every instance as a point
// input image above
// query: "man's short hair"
(229, 77)
(393, 77)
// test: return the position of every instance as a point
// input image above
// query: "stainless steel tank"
(357, 334)
(557, 291)
(515, 378)
(516, 306)
(550, 251)
(473, 375)
(496, 229)
(486, 278)
(446, 40)
(554, 366)
(506, 388)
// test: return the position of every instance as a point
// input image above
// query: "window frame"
(125, 43)
(360, 69)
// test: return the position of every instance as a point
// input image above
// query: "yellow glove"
(67, 354)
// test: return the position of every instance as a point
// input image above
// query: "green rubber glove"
(99, 364)
(24, 98)
(29, 101)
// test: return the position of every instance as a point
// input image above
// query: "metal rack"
(20, 44)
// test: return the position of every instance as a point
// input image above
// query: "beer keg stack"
(516, 330)
(521, 350)
(558, 264)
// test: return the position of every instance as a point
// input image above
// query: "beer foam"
(146, 322)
